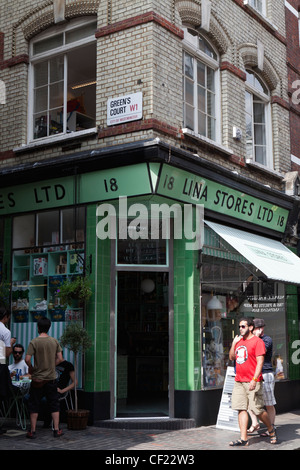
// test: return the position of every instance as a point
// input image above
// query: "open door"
(142, 344)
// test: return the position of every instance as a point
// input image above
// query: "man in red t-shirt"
(248, 351)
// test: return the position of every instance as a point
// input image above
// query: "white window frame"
(61, 50)
(190, 47)
(253, 4)
(266, 99)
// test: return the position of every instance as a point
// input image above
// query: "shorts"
(48, 390)
(243, 399)
(268, 389)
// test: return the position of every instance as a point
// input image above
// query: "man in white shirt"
(5, 334)
(19, 363)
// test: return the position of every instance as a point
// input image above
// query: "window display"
(232, 288)
(48, 247)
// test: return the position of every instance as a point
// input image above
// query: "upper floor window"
(259, 5)
(258, 121)
(62, 80)
(200, 86)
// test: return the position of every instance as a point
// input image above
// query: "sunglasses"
(243, 326)
(17, 352)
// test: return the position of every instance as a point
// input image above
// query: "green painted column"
(186, 312)
(98, 309)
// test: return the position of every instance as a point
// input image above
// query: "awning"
(271, 257)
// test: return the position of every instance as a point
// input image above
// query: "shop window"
(63, 80)
(46, 250)
(49, 230)
(139, 248)
(231, 289)
(72, 224)
(258, 121)
(200, 86)
(24, 231)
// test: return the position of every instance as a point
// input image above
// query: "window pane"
(259, 112)
(81, 105)
(211, 128)
(202, 124)
(248, 99)
(189, 92)
(40, 125)
(210, 79)
(73, 222)
(56, 95)
(48, 44)
(260, 134)
(56, 121)
(48, 228)
(56, 69)
(211, 104)
(248, 127)
(41, 99)
(189, 117)
(142, 250)
(201, 99)
(260, 155)
(23, 231)
(205, 47)
(201, 74)
(80, 33)
(41, 74)
(188, 66)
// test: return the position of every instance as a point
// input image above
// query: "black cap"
(258, 322)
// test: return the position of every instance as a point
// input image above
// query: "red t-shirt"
(246, 352)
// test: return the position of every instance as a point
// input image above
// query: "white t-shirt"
(2, 352)
(19, 365)
(5, 334)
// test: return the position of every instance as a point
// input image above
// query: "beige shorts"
(243, 399)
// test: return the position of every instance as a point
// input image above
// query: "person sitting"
(65, 382)
(19, 364)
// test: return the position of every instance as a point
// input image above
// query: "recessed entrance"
(142, 344)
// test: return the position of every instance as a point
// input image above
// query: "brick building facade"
(201, 96)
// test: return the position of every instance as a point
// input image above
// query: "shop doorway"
(142, 344)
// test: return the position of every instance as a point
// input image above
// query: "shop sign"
(187, 187)
(124, 109)
(135, 180)
(92, 187)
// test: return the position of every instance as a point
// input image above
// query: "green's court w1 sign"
(142, 180)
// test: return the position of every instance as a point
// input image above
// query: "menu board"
(227, 417)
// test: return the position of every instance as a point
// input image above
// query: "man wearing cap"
(267, 371)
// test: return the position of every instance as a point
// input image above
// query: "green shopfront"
(162, 317)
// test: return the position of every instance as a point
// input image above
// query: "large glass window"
(200, 85)
(258, 121)
(231, 289)
(63, 80)
(49, 230)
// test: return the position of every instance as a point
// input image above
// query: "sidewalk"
(155, 441)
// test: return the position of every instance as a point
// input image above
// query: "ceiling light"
(74, 87)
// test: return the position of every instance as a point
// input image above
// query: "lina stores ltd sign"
(139, 180)
(186, 187)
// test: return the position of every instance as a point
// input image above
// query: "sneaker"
(31, 435)
(57, 433)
